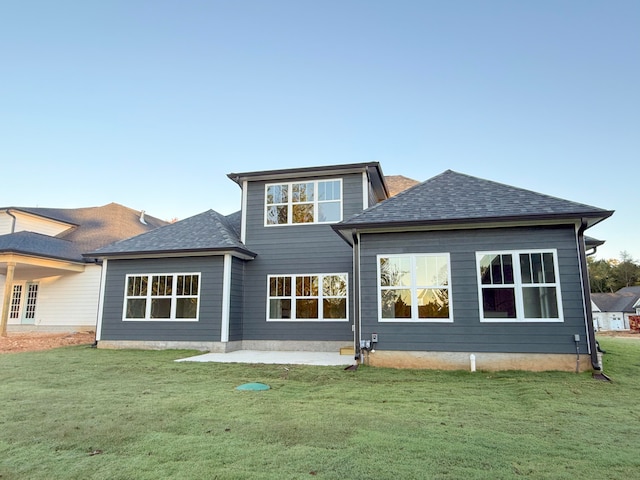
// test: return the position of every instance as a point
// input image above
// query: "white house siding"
(610, 321)
(32, 223)
(67, 302)
(5, 224)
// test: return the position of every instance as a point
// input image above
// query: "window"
(519, 286)
(307, 297)
(317, 201)
(171, 296)
(414, 288)
(16, 297)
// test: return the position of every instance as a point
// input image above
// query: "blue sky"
(151, 103)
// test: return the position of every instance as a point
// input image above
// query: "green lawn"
(83, 413)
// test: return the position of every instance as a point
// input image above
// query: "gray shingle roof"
(29, 243)
(621, 301)
(453, 197)
(207, 231)
(90, 228)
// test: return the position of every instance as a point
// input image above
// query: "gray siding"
(237, 299)
(295, 249)
(207, 328)
(467, 333)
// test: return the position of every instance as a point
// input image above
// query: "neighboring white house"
(611, 311)
(46, 282)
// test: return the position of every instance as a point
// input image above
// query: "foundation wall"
(484, 361)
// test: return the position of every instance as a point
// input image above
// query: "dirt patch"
(618, 333)
(29, 342)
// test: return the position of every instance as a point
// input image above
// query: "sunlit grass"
(99, 414)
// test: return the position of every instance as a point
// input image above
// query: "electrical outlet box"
(576, 338)
(374, 337)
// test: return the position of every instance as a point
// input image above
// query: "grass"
(81, 413)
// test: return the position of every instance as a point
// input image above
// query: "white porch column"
(6, 299)
(226, 298)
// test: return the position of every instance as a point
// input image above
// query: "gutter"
(586, 294)
(13, 222)
(357, 328)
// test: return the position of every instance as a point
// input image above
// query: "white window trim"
(290, 203)
(293, 297)
(414, 296)
(518, 285)
(148, 297)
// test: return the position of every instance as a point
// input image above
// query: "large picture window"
(414, 288)
(167, 296)
(318, 201)
(519, 286)
(307, 297)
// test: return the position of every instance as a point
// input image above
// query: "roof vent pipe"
(142, 217)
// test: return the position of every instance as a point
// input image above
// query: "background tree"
(607, 276)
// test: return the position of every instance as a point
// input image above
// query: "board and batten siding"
(206, 329)
(295, 249)
(467, 333)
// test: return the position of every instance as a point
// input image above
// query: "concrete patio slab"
(273, 357)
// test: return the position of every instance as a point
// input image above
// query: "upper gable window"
(519, 286)
(318, 201)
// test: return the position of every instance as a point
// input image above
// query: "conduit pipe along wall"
(586, 294)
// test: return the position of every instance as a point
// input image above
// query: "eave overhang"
(373, 170)
(20, 258)
(346, 230)
(204, 252)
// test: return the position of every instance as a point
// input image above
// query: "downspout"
(356, 294)
(586, 294)
(13, 222)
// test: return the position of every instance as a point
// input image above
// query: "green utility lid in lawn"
(253, 386)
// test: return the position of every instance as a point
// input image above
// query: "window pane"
(525, 268)
(334, 308)
(395, 271)
(329, 190)
(329, 212)
(303, 213)
(187, 285)
(136, 308)
(540, 302)
(277, 194)
(549, 271)
(137, 286)
(277, 215)
(160, 308)
(279, 308)
(280, 287)
(307, 286)
(302, 192)
(507, 269)
(396, 303)
(161, 285)
(537, 275)
(307, 308)
(499, 302)
(431, 270)
(433, 303)
(334, 286)
(186, 308)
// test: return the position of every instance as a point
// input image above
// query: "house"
(451, 269)
(612, 311)
(48, 285)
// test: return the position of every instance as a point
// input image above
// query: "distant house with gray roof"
(319, 258)
(46, 281)
(611, 311)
